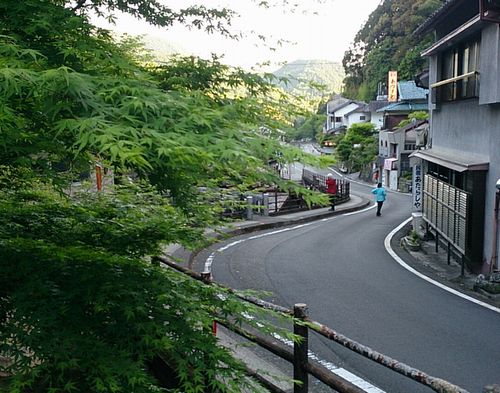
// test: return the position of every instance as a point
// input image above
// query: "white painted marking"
(355, 380)
(387, 244)
(211, 257)
(361, 211)
(341, 372)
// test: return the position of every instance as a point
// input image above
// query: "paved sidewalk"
(260, 222)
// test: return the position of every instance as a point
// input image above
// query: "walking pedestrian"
(331, 189)
(380, 196)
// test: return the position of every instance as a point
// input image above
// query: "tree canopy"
(82, 309)
(358, 147)
(384, 43)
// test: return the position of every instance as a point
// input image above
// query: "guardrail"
(303, 366)
(318, 182)
(274, 201)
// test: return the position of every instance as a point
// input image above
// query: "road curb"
(231, 232)
(410, 263)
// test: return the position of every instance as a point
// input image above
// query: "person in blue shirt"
(380, 196)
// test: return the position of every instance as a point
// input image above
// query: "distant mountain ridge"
(323, 72)
(300, 73)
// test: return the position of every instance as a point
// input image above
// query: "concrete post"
(249, 207)
(265, 202)
(300, 350)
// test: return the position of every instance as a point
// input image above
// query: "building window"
(362, 117)
(338, 119)
(409, 146)
(459, 79)
(394, 149)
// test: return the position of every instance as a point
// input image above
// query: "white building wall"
(357, 117)
(377, 119)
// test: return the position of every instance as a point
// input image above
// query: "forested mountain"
(384, 43)
(301, 73)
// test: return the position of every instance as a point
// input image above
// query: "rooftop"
(404, 107)
(408, 90)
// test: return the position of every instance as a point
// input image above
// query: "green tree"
(418, 115)
(385, 42)
(81, 307)
(307, 128)
(358, 147)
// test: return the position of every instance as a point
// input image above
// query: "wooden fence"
(303, 366)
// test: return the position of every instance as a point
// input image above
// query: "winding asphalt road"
(340, 268)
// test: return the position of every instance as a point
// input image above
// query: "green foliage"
(418, 115)
(386, 42)
(82, 311)
(358, 147)
(81, 308)
(307, 127)
(156, 13)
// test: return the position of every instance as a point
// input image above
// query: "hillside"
(301, 72)
(386, 42)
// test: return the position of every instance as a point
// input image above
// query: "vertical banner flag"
(417, 187)
(393, 86)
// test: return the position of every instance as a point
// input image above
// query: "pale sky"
(318, 29)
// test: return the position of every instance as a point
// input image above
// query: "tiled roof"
(404, 107)
(408, 90)
(374, 106)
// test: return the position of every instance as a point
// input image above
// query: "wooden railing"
(457, 88)
(317, 181)
(303, 366)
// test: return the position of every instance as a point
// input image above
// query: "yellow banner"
(392, 93)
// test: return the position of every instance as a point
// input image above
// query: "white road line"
(387, 244)
(341, 372)
(347, 375)
(211, 257)
(361, 211)
(209, 261)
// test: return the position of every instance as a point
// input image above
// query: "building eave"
(458, 162)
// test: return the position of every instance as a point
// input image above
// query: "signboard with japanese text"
(417, 188)
(392, 92)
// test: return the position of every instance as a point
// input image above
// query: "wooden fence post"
(300, 350)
